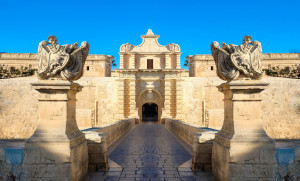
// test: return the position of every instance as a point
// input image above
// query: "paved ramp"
(150, 152)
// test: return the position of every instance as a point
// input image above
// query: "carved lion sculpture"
(61, 62)
(243, 61)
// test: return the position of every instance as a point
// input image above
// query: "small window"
(87, 68)
(149, 63)
(212, 68)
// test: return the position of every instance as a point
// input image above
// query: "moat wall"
(202, 105)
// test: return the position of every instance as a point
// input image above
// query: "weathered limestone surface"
(96, 102)
(241, 149)
(95, 66)
(57, 149)
(61, 61)
(199, 138)
(237, 61)
(19, 103)
(204, 65)
(99, 138)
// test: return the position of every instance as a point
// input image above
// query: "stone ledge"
(200, 138)
(99, 138)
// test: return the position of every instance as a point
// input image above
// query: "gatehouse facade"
(149, 74)
(50, 124)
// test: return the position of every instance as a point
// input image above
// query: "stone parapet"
(99, 138)
(96, 65)
(200, 138)
(204, 65)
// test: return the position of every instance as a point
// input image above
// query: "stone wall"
(19, 105)
(199, 138)
(204, 65)
(202, 105)
(280, 105)
(95, 65)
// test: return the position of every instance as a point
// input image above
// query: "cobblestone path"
(150, 152)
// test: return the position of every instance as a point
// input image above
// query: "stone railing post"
(241, 149)
(57, 150)
(97, 150)
(202, 151)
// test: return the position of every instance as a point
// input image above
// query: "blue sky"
(193, 24)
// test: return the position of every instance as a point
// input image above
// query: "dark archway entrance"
(150, 112)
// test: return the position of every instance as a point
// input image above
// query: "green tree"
(186, 63)
(113, 63)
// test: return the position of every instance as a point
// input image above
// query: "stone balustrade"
(99, 138)
(12, 151)
(200, 138)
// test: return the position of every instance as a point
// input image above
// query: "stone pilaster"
(132, 97)
(58, 149)
(168, 61)
(178, 61)
(179, 97)
(132, 61)
(121, 61)
(120, 95)
(167, 104)
(241, 149)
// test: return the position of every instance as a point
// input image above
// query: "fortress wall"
(19, 105)
(95, 65)
(280, 105)
(18, 108)
(204, 65)
(192, 101)
(202, 105)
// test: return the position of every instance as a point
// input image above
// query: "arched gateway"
(149, 80)
(150, 112)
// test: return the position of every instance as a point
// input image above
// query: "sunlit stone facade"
(149, 74)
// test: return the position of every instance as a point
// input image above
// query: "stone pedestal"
(241, 149)
(57, 150)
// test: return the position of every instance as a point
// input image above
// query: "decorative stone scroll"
(61, 61)
(235, 62)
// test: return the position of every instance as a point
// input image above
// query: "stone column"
(241, 149)
(57, 150)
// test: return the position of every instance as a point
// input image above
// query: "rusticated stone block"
(260, 170)
(47, 171)
(202, 148)
(98, 158)
(202, 158)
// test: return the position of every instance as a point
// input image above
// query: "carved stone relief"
(234, 62)
(61, 61)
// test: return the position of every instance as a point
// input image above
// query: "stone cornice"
(33, 56)
(268, 56)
